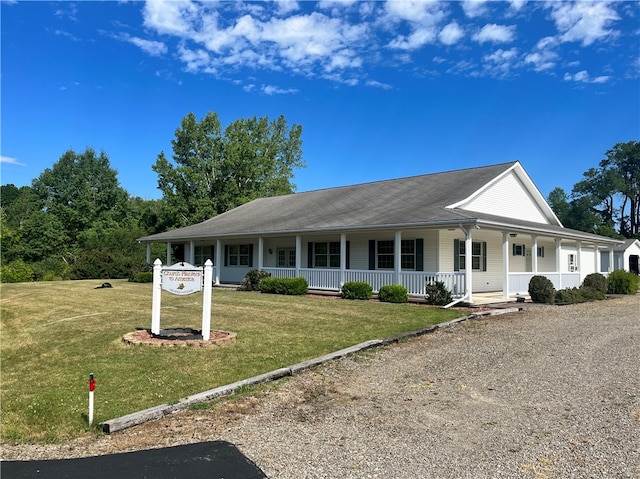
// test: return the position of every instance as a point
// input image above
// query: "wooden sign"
(182, 279)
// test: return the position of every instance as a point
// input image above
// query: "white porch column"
(298, 254)
(596, 264)
(611, 265)
(148, 253)
(505, 264)
(218, 261)
(534, 254)
(192, 252)
(343, 257)
(260, 252)
(397, 264)
(579, 259)
(558, 261)
(468, 262)
(169, 262)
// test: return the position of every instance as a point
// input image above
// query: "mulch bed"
(179, 337)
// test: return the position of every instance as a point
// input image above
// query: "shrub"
(592, 294)
(51, 269)
(569, 295)
(356, 290)
(541, 290)
(16, 272)
(578, 295)
(622, 282)
(143, 277)
(252, 279)
(98, 264)
(438, 294)
(595, 281)
(393, 293)
(291, 286)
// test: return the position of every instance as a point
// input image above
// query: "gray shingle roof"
(412, 201)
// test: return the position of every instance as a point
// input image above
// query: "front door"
(633, 264)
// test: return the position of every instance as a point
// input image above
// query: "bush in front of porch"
(393, 293)
(356, 290)
(290, 286)
(541, 290)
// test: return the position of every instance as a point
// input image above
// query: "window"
(385, 254)
(202, 253)
(326, 254)
(573, 263)
(519, 250)
(408, 254)
(238, 255)
(286, 257)
(540, 251)
(478, 256)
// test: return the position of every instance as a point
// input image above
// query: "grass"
(53, 334)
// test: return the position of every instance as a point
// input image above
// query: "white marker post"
(206, 300)
(92, 387)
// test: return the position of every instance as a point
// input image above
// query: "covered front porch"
(468, 259)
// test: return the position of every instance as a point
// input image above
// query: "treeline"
(76, 221)
(607, 200)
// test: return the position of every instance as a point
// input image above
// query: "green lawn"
(55, 333)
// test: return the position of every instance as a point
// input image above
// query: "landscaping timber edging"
(162, 410)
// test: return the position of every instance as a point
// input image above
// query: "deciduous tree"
(214, 170)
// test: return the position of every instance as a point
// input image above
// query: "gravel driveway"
(550, 392)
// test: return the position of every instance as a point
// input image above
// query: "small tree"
(438, 294)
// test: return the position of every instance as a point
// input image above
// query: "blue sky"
(381, 89)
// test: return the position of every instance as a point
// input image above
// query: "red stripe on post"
(92, 383)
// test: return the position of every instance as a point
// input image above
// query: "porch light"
(513, 235)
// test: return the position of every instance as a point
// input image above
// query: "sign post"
(92, 387)
(182, 279)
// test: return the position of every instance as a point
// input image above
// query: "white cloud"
(286, 6)
(195, 60)
(417, 39)
(544, 57)
(174, 18)
(517, 5)
(153, 48)
(474, 8)
(377, 84)
(583, 77)
(337, 39)
(274, 90)
(501, 62)
(451, 34)
(495, 33)
(423, 12)
(7, 160)
(586, 22)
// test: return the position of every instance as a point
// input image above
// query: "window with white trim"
(384, 254)
(202, 253)
(326, 254)
(478, 256)
(408, 254)
(238, 255)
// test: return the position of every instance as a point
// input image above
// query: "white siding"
(507, 197)
(483, 281)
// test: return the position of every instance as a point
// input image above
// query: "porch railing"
(414, 281)
(519, 282)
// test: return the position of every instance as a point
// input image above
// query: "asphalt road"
(210, 460)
